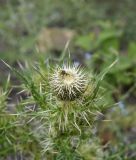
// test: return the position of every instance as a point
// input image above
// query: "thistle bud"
(68, 82)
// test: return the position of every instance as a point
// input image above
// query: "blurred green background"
(98, 32)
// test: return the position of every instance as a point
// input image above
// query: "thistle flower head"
(68, 82)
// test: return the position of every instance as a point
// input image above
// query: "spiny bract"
(68, 82)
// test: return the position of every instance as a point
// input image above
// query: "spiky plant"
(6, 128)
(14, 135)
(68, 82)
(61, 109)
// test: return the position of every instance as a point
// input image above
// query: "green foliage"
(15, 135)
(106, 36)
(18, 38)
(104, 48)
(119, 147)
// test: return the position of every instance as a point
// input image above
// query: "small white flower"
(68, 82)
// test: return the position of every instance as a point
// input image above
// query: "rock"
(54, 39)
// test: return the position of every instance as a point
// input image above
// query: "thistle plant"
(63, 105)
(68, 82)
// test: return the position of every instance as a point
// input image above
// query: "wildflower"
(68, 82)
